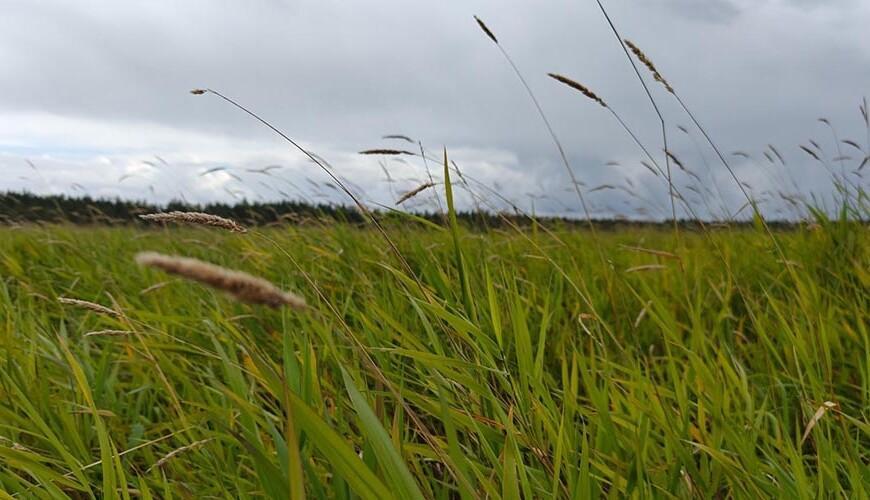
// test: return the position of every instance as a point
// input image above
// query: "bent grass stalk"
(655, 106)
(323, 166)
(641, 56)
(558, 144)
(562, 155)
(373, 367)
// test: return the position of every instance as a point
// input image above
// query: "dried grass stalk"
(414, 192)
(577, 86)
(400, 137)
(155, 286)
(88, 411)
(646, 267)
(178, 451)
(649, 65)
(92, 306)
(641, 314)
(242, 286)
(197, 218)
(107, 332)
(659, 253)
(827, 405)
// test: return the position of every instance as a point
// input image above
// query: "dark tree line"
(28, 208)
(22, 207)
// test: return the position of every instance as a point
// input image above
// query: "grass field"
(442, 360)
(534, 363)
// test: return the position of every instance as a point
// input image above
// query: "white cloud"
(92, 90)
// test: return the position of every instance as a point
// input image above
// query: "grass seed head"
(91, 306)
(414, 192)
(242, 286)
(649, 65)
(676, 160)
(486, 30)
(196, 218)
(387, 152)
(577, 86)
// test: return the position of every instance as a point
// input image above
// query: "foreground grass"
(524, 365)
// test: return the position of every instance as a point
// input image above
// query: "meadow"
(520, 363)
(436, 357)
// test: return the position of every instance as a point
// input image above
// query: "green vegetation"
(445, 355)
(505, 364)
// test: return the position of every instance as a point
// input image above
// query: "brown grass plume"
(242, 286)
(196, 218)
(578, 86)
(92, 306)
(414, 192)
(649, 65)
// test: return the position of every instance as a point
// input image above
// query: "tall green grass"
(506, 364)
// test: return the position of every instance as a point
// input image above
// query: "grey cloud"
(338, 76)
(711, 11)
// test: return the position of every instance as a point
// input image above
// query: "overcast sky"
(94, 98)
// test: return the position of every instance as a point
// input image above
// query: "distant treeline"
(28, 208)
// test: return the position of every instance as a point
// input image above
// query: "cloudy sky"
(94, 98)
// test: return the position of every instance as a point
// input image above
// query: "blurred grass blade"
(457, 245)
(391, 462)
(336, 450)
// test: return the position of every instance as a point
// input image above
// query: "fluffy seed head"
(242, 286)
(414, 192)
(577, 86)
(92, 306)
(649, 65)
(196, 218)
